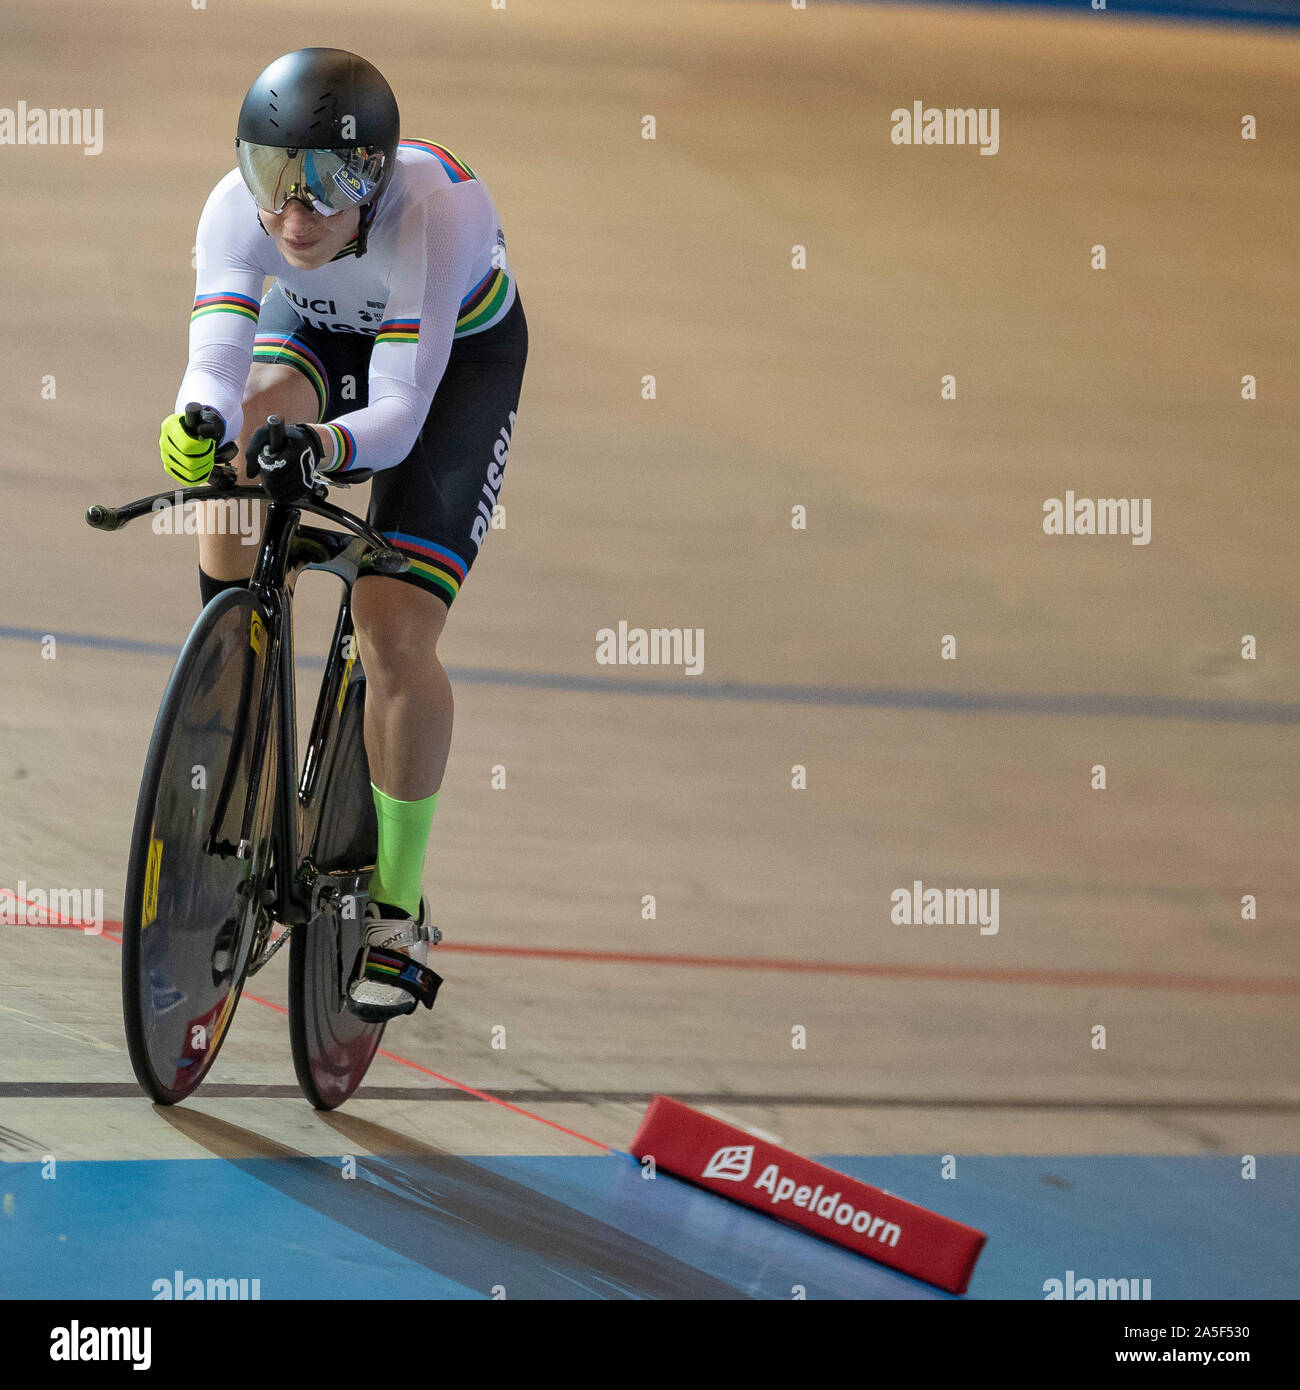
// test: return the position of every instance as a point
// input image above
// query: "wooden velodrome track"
(776, 388)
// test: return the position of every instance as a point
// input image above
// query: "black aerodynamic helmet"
(320, 125)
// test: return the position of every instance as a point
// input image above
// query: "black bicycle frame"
(286, 550)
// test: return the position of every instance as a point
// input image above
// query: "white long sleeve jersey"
(435, 269)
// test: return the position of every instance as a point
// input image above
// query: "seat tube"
(326, 709)
(286, 801)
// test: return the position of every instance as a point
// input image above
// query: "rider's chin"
(307, 253)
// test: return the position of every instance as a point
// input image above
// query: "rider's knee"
(271, 389)
(399, 625)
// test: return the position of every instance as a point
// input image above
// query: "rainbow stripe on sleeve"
(483, 301)
(345, 448)
(398, 331)
(457, 170)
(225, 304)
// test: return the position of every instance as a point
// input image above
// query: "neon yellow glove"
(186, 457)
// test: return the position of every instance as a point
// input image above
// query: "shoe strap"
(390, 968)
(389, 933)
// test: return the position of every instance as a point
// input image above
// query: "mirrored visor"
(330, 180)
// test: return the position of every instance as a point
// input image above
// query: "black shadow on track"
(454, 1217)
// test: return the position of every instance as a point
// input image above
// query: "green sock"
(403, 839)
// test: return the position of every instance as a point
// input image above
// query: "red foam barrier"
(734, 1164)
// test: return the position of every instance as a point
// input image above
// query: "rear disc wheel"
(332, 1047)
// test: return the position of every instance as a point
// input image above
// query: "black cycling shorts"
(436, 505)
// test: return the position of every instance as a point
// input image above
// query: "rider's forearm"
(222, 328)
(379, 436)
(215, 376)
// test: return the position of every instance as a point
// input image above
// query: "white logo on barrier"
(828, 1207)
(730, 1163)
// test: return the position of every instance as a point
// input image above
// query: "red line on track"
(1069, 979)
(67, 924)
(505, 1104)
(982, 975)
(451, 1081)
(265, 1003)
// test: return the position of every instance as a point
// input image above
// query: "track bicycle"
(231, 839)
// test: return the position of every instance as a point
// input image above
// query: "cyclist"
(393, 339)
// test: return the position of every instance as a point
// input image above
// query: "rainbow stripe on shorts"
(433, 566)
(293, 352)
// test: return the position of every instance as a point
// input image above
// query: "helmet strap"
(363, 227)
